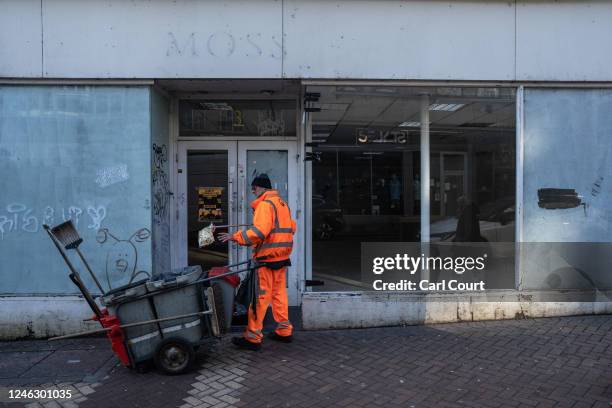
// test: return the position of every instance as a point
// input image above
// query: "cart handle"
(123, 326)
(169, 288)
(256, 266)
(239, 263)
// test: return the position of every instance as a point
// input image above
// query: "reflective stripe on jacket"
(272, 232)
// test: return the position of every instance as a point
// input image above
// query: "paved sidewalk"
(564, 362)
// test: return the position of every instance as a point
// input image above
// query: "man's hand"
(225, 236)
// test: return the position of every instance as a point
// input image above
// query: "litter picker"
(206, 236)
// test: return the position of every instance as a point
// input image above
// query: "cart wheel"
(174, 356)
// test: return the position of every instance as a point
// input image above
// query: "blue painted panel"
(568, 145)
(80, 153)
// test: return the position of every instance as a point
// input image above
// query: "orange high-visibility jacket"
(272, 232)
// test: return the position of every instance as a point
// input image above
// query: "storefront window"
(366, 182)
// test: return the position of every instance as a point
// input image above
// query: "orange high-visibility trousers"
(272, 289)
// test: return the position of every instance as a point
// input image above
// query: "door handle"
(231, 194)
(241, 187)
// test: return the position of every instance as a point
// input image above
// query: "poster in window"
(210, 204)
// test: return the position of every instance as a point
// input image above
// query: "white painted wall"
(564, 40)
(399, 40)
(338, 310)
(438, 40)
(41, 317)
(162, 39)
(20, 38)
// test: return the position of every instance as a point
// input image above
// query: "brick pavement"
(563, 362)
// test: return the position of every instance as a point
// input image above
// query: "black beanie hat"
(262, 181)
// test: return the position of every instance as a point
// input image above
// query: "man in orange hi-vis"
(271, 237)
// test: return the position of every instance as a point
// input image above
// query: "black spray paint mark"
(161, 189)
(558, 198)
(122, 255)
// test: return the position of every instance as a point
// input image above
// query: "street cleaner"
(271, 238)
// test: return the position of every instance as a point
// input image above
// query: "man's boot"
(282, 339)
(244, 344)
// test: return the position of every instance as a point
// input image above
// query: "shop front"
(379, 122)
(141, 169)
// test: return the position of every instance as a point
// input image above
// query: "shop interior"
(366, 182)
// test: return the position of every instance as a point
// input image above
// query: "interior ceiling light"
(386, 90)
(410, 124)
(216, 106)
(333, 106)
(476, 124)
(446, 107)
(346, 89)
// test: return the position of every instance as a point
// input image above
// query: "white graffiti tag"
(21, 218)
(112, 175)
(75, 213)
(4, 221)
(97, 215)
(48, 215)
(30, 222)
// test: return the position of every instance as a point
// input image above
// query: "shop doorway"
(213, 183)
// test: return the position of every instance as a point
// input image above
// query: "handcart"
(165, 318)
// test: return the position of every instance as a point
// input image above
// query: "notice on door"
(210, 204)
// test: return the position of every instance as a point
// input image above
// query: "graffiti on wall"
(269, 125)
(161, 190)
(112, 175)
(122, 255)
(19, 217)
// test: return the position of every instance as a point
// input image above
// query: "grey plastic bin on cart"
(177, 299)
(168, 297)
(228, 292)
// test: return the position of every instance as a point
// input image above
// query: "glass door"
(206, 194)
(277, 160)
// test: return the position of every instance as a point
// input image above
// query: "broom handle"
(234, 225)
(93, 275)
